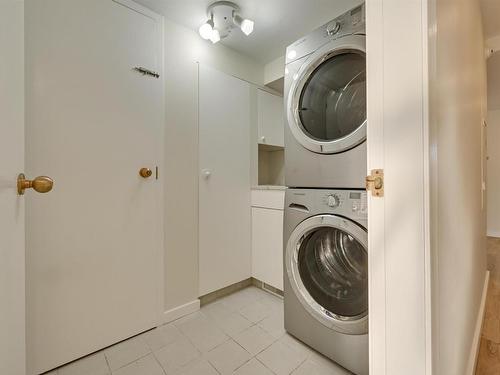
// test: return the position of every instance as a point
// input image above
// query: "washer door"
(327, 265)
(327, 99)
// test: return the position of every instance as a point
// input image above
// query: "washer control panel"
(333, 200)
(343, 202)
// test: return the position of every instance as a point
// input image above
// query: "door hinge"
(375, 183)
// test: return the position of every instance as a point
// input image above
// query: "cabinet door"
(267, 246)
(271, 126)
(224, 187)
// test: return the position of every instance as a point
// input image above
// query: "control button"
(333, 201)
(332, 28)
(355, 208)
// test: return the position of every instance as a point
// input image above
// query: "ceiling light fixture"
(215, 37)
(223, 17)
(244, 24)
(206, 30)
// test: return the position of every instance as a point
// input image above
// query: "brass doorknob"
(41, 184)
(145, 172)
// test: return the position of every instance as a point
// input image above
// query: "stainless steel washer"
(326, 273)
(325, 105)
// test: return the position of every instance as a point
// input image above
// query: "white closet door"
(94, 243)
(224, 206)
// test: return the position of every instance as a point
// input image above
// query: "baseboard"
(493, 233)
(180, 311)
(471, 365)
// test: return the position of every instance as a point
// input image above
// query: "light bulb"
(245, 25)
(215, 37)
(292, 54)
(206, 30)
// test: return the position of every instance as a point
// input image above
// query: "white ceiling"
(491, 18)
(278, 23)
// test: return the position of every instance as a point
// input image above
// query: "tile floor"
(489, 351)
(240, 334)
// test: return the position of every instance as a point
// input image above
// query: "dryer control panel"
(351, 22)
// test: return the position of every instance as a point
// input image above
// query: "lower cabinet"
(267, 246)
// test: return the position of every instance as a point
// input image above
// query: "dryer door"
(327, 99)
(327, 266)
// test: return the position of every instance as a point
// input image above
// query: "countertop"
(269, 187)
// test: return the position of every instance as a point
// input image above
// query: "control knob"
(333, 201)
(333, 28)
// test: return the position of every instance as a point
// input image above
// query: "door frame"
(12, 251)
(399, 223)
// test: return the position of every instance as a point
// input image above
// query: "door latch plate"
(375, 183)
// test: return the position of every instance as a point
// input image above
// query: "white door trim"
(140, 9)
(474, 351)
(12, 238)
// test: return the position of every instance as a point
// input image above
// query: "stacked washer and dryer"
(325, 226)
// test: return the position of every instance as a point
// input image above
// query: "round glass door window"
(333, 267)
(332, 103)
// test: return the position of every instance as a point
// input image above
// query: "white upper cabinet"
(271, 121)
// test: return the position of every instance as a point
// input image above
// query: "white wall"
(274, 70)
(458, 106)
(183, 49)
(493, 173)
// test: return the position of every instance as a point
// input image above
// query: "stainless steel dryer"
(326, 273)
(325, 105)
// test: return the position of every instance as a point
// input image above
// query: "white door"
(398, 235)
(224, 196)
(12, 296)
(94, 243)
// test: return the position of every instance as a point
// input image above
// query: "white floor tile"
(253, 292)
(161, 336)
(177, 355)
(296, 344)
(274, 302)
(309, 367)
(144, 366)
(228, 357)
(325, 362)
(233, 323)
(281, 359)
(274, 325)
(126, 352)
(257, 311)
(254, 367)
(254, 340)
(94, 364)
(199, 344)
(216, 310)
(239, 300)
(202, 331)
(198, 367)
